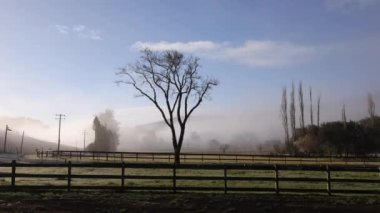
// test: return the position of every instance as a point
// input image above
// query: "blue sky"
(61, 56)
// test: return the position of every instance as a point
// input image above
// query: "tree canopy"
(354, 138)
(106, 135)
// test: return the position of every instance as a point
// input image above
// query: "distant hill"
(30, 144)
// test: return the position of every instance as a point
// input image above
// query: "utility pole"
(22, 142)
(59, 117)
(84, 140)
(5, 139)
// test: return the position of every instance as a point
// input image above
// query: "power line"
(59, 117)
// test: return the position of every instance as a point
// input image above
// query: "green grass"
(190, 183)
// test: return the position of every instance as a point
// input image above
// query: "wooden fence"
(173, 177)
(208, 157)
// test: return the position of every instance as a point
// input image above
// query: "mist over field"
(142, 129)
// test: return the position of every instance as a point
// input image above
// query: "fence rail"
(208, 157)
(226, 177)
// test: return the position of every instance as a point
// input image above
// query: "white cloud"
(80, 31)
(79, 28)
(193, 46)
(62, 29)
(268, 53)
(349, 5)
(86, 33)
(252, 52)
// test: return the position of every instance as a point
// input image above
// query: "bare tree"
(292, 112)
(318, 109)
(311, 106)
(284, 116)
(301, 104)
(371, 107)
(173, 84)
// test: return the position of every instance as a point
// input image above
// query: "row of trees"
(290, 119)
(339, 137)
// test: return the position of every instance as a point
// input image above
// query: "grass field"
(191, 173)
(206, 158)
(185, 201)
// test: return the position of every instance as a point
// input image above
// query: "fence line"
(175, 177)
(208, 157)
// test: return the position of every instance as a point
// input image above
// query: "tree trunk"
(179, 144)
(177, 156)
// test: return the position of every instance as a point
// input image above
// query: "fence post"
(137, 156)
(276, 186)
(122, 176)
(13, 179)
(69, 176)
(174, 178)
(202, 157)
(219, 158)
(225, 180)
(328, 178)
